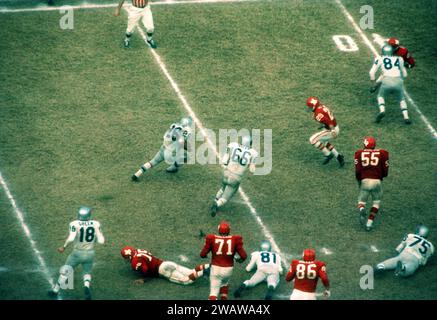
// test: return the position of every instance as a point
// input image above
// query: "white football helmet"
(84, 213)
(265, 246)
(422, 230)
(246, 141)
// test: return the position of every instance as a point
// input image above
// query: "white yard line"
(113, 5)
(268, 235)
(20, 216)
(369, 44)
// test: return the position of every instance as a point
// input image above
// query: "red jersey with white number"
(403, 52)
(371, 164)
(323, 115)
(306, 274)
(145, 263)
(223, 249)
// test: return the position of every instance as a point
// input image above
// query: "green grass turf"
(78, 114)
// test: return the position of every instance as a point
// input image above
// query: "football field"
(79, 114)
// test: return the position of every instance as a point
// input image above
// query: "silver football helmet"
(246, 141)
(84, 213)
(387, 50)
(265, 246)
(422, 230)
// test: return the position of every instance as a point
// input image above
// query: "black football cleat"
(214, 209)
(379, 117)
(135, 178)
(407, 121)
(340, 160)
(172, 169)
(152, 43)
(52, 294)
(327, 159)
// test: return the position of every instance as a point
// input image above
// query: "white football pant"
(219, 277)
(272, 279)
(175, 273)
(302, 295)
(135, 14)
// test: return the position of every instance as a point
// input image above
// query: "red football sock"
(373, 213)
(212, 298)
(224, 293)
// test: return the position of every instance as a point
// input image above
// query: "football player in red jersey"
(371, 167)
(152, 267)
(320, 140)
(402, 52)
(223, 248)
(306, 273)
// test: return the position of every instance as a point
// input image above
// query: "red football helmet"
(369, 142)
(127, 252)
(313, 102)
(393, 42)
(224, 228)
(309, 255)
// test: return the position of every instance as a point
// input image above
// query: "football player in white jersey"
(173, 150)
(238, 158)
(84, 232)
(268, 268)
(393, 75)
(414, 251)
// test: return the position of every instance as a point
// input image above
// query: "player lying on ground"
(140, 10)
(414, 251)
(320, 140)
(238, 158)
(84, 232)
(173, 150)
(150, 266)
(393, 75)
(223, 248)
(268, 269)
(400, 51)
(371, 167)
(306, 273)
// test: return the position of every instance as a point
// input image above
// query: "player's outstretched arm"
(118, 9)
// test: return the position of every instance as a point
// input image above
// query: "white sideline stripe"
(114, 5)
(369, 44)
(199, 124)
(20, 216)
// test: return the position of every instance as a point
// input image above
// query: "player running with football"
(238, 158)
(150, 266)
(268, 269)
(223, 248)
(306, 273)
(140, 9)
(414, 251)
(84, 232)
(173, 150)
(320, 140)
(371, 167)
(393, 75)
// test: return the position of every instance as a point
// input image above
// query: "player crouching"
(268, 269)
(320, 140)
(152, 267)
(306, 273)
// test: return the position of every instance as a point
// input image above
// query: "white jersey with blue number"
(85, 234)
(418, 246)
(239, 158)
(266, 261)
(390, 66)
